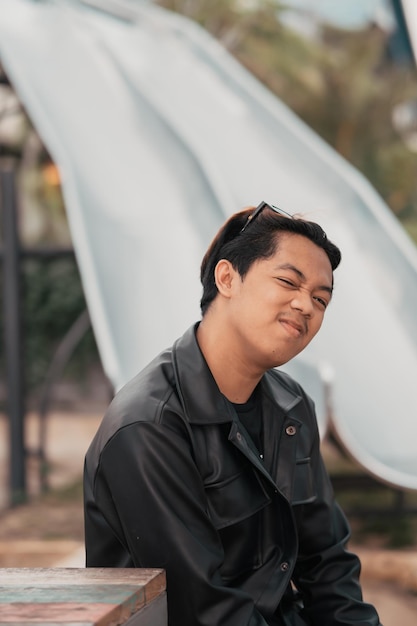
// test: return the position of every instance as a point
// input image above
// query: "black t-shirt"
(250, 414)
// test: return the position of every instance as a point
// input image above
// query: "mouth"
(293, 328)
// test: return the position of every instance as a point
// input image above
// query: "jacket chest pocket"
(237, 507)
(235, 498)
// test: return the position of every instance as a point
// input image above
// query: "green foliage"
(52, 298)
(390, 532)
(377, 512)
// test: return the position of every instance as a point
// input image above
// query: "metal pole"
(12, 335)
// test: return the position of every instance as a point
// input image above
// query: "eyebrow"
(292, 268)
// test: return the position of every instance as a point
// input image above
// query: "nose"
(303, 302)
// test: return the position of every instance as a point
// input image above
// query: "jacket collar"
(202, 401)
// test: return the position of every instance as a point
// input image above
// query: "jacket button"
(284, 566)
(291, 430)
(239, 436)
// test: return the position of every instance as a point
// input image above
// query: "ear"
(224, 275)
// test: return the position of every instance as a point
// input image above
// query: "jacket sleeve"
(160, 502)
(326, 574)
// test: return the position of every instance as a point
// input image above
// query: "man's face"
(278, 307)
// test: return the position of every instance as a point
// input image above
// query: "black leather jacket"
(172, 480)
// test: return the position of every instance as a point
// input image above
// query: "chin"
(278, 362)
(283, 359)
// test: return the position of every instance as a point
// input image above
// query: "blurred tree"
(354, 111)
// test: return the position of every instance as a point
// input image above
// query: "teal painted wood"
(82, 597)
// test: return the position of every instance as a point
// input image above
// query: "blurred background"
(347, 69)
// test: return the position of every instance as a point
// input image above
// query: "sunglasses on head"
(259, 209)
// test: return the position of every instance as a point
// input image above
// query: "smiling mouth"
(293, 328)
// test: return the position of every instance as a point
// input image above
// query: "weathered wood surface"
(77, 597)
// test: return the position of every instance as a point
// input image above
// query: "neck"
(231, 374)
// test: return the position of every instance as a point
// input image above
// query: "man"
(207, 464)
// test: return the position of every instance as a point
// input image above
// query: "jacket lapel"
(238, 439)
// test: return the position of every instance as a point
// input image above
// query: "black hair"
(258, 240)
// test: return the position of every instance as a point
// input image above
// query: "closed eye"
(287, 282)
(321, 301)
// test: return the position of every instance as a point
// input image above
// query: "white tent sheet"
(159, 135)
